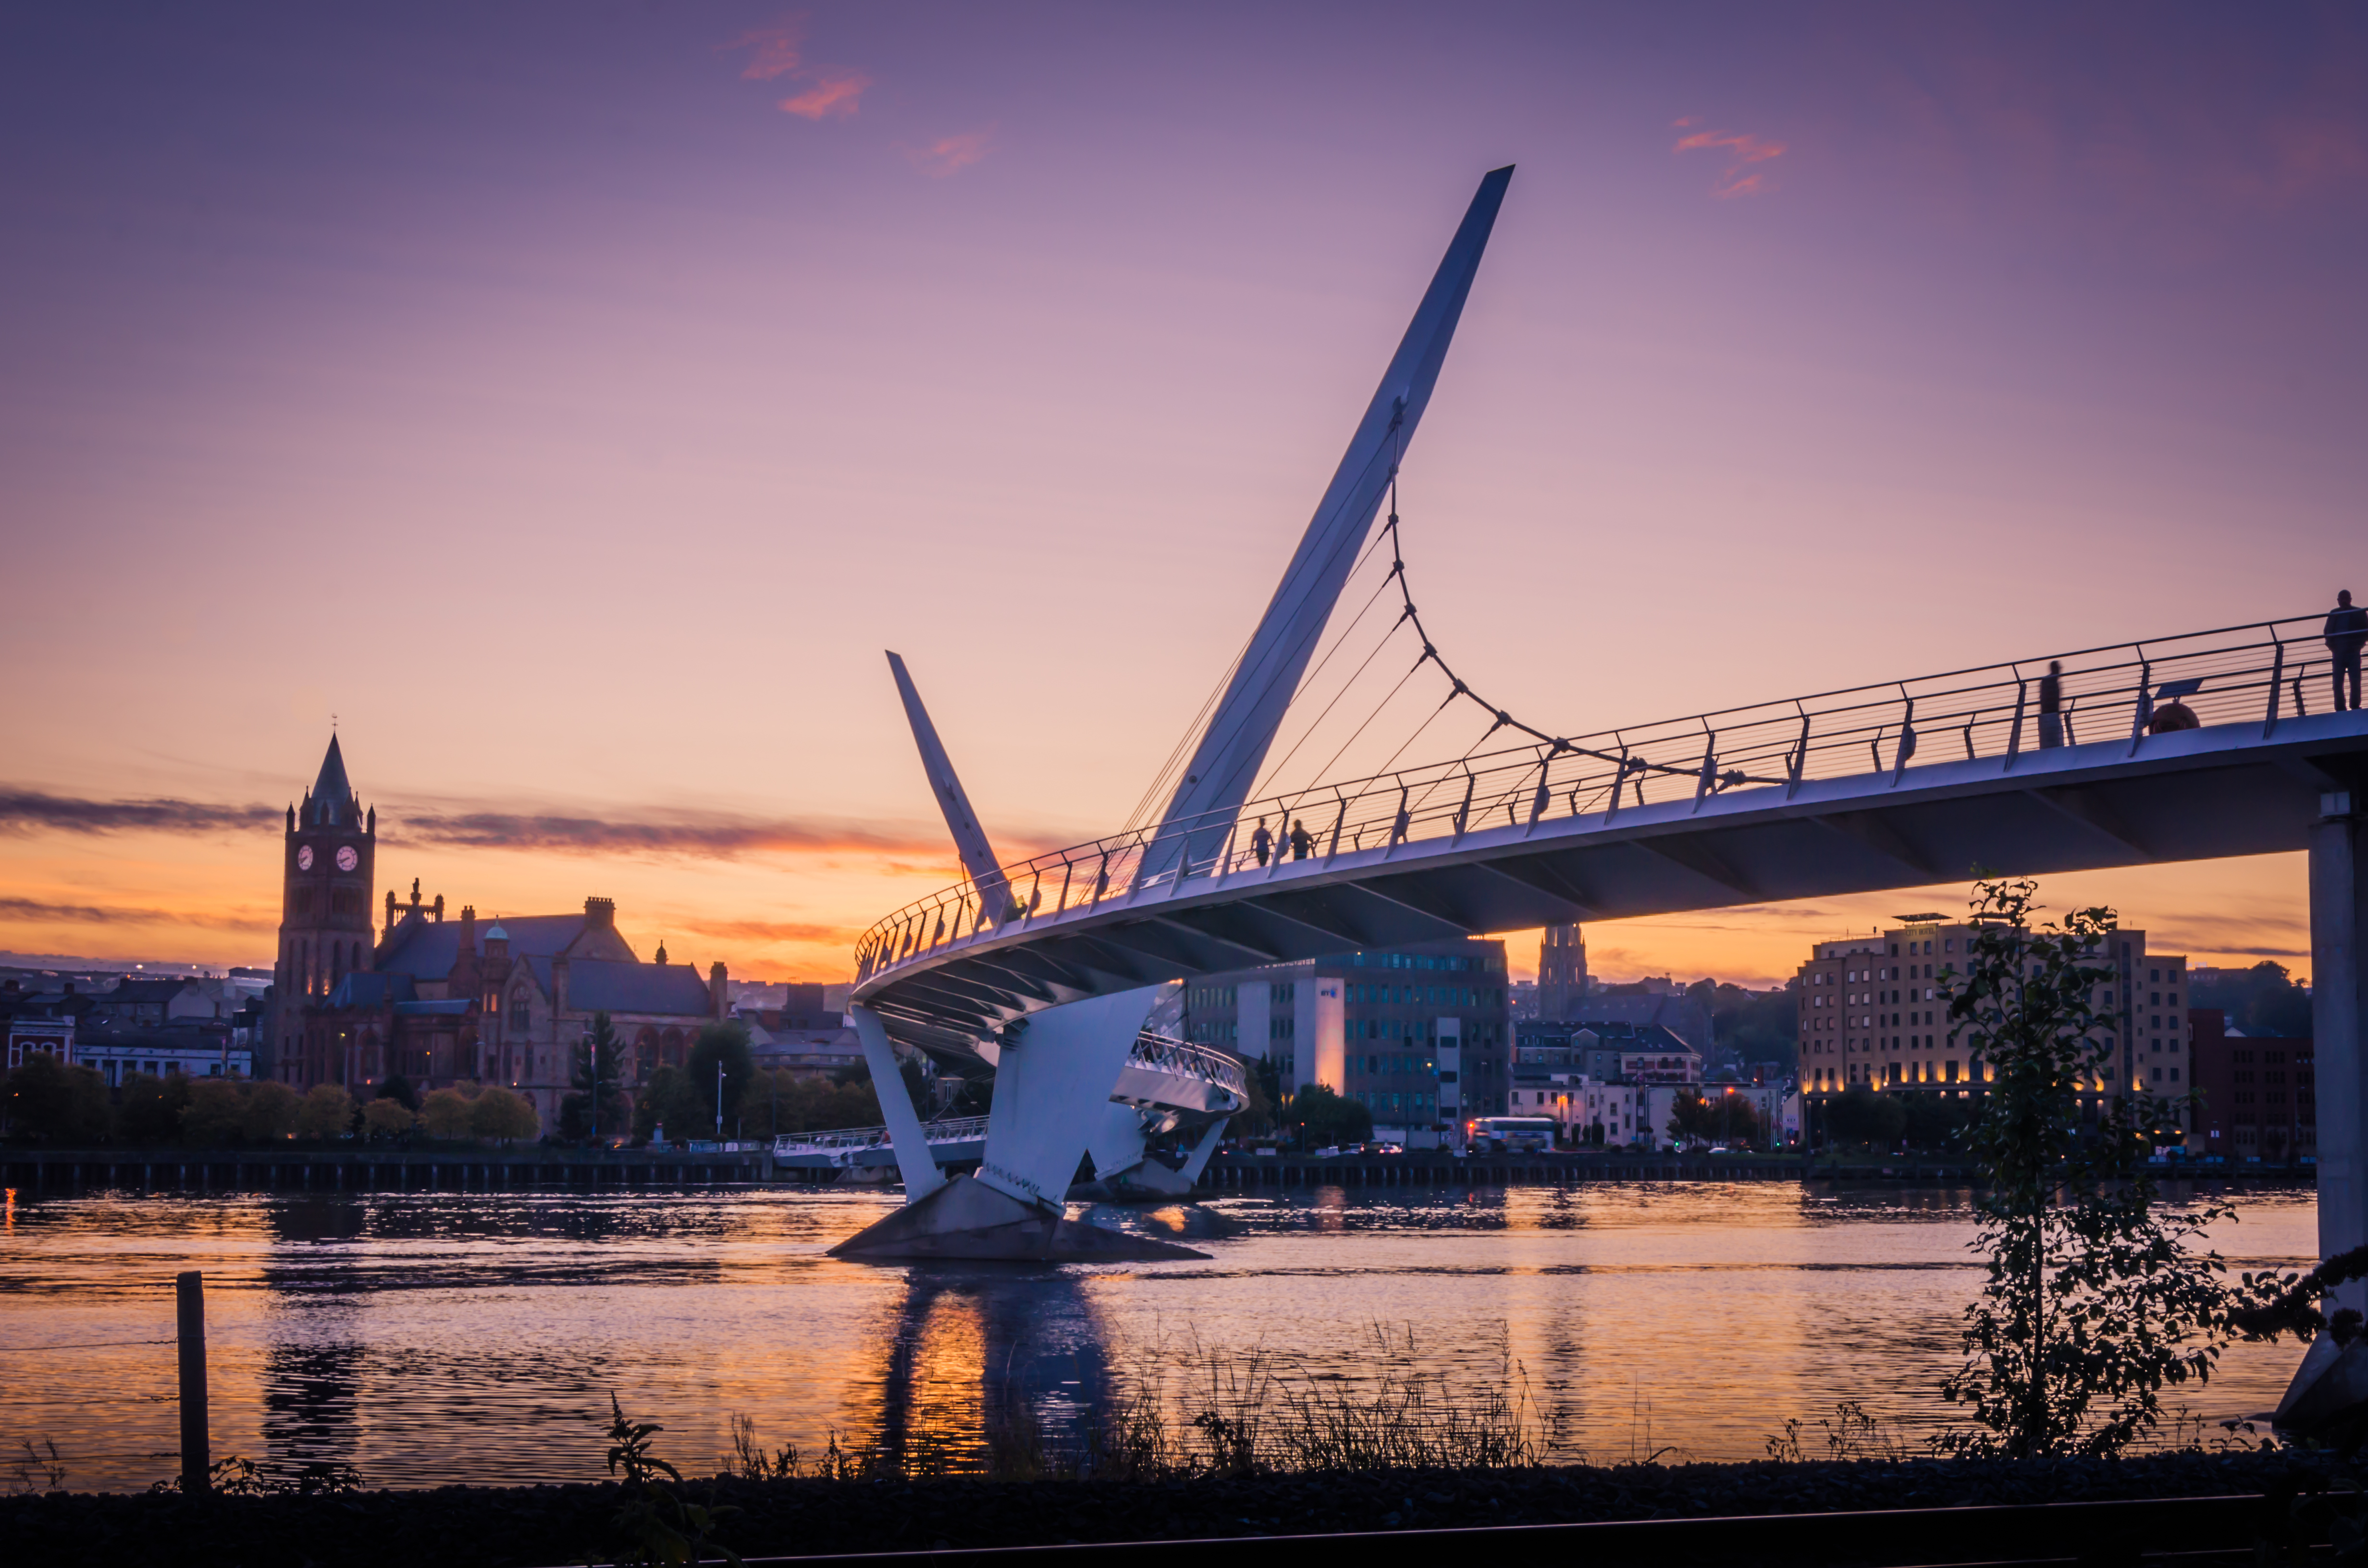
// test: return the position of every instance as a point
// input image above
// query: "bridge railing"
(958, 1130)
(2123, 693)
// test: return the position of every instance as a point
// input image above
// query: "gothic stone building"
(440, 1001)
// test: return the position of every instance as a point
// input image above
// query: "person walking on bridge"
(2347, 633)
(1262, 842)
(1301, 843)
(2051, 705)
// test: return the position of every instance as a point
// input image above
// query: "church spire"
(333, 797)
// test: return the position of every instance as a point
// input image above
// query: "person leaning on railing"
(2347, 633)
(2051, 705)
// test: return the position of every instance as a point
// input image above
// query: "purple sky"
(577, 399)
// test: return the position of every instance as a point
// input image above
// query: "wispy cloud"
(773, 931)
(834, 95)
(123, 915)
(27, 811)
(773, 51)
(949, 154)
(693, 836)
(1742, 153)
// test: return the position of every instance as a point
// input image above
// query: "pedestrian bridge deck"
(1914, 783)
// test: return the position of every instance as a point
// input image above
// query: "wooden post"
(197, 1457)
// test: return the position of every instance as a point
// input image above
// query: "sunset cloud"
(29, 811)
(774, 51)
(694, 835)
(949, 154)
(1742, 151)
(13, 909)
(836, 94)
(774, 931)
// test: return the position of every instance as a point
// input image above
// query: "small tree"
(596, 1074)
(1863, 1118)
(445, 1114)
(215, 1117)
(270, 1111)
(502, 1116)
(1324, 1117)
(49, 1102)
(2095, 1301)
(723, 1046)
(328, 1112)
(387, 1119)
(150, 1109)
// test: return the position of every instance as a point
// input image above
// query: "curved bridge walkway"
(2205, 744)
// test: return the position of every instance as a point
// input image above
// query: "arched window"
(518, 1008)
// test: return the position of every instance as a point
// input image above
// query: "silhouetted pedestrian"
(1301, 844)
(2347, 633)
(1261, 842)
(2051, 705)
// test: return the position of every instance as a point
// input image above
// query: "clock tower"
(326, 870)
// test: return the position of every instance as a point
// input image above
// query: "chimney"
(718, 992)
(600, 914)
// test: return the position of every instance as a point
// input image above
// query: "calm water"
(427, 1338)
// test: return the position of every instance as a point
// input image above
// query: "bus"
(1512, 1134)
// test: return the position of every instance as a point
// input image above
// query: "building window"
(518, 1009)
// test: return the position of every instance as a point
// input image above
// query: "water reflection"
(433, 1339)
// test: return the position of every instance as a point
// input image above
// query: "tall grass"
(1198, 1412)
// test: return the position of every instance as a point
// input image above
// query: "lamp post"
(719, 1099)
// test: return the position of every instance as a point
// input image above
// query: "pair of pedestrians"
(2346, 632)
(1262, 842)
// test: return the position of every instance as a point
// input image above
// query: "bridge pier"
(2339, 913)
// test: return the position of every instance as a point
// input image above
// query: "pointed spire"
(331, 796)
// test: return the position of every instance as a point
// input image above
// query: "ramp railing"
(2120, 694)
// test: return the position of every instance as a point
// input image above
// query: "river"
(426, 1339)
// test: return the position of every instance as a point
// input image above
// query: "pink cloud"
(1742, 150)
(776, 50)
(836, 94)
(948, 153)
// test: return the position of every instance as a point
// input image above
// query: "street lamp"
(719, 1098)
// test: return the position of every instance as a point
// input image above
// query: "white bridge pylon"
(1055, 1064)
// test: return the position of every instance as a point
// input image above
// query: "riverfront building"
(2260, 1100)
(1420, 1036)
(1871, 1012)
(440, 1001)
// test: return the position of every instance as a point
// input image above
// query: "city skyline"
(579, 426)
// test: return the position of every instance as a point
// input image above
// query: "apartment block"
(1871, 1011)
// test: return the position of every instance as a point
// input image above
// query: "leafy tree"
(387, 1118)
(669, 1100)
(49, 1102)
(269, 1112)
(502, 1116)
(398, 1089)
(2262, 1000)
(726, 1046)
(2095, 1301)
(328, 1112)
(1939, 1122)
(445, 1114)
(215, 1117)
(1323, 1117)
(149, 1109)
(596, 1074)
(1713, 1117)
(1862, 1118)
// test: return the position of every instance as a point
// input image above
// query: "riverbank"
(529, 1527)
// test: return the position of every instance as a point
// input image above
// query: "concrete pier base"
(2327, 1383)
(968, 1219)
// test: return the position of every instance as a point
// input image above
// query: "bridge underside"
(2197, 794)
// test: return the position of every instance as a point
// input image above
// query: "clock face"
(304, 858)
(348, 860)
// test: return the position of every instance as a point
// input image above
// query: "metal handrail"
(1151, 1052)
(2253, 673)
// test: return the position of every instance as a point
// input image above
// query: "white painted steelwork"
(1907, 784)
